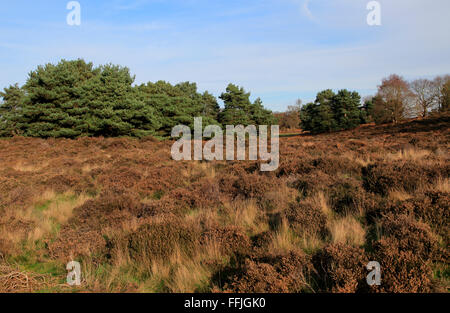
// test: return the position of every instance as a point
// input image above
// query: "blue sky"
(280, 50)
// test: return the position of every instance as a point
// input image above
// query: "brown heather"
(140, 222)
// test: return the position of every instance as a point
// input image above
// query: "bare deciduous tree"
(291, 118)
(424, 96)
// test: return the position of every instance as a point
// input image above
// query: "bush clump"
(405, 252)
(272, 274)
(340, 268)
(230, 239)
(382, 177)
(158, 240)
(307, 219)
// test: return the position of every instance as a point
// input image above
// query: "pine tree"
(237, 107)
(332, 112)
(346, 111)
(240, 111)
(72, 99)
(13, 99)
(260, 115)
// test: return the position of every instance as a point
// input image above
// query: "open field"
(138, 221)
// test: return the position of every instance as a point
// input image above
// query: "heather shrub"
(403, 271)
(120, 178)
(159, 178)
(346, 197)
(431, 208)
(435, 211)
(335, 164)
(260, 242)
(83, 234)
(6, 248)
(257, 278)
(158, 240)
(205, 193)
(410, 235)
(381, 177)
(295, 267)
(405, 251)
(294, 164)
(109, 209)
(309, 184)
(340, 268)
(62, 183)
(271, 274)
(74, 243)
(304, 218)
(253, 185)
(230, 239)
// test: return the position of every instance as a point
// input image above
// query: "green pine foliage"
(74, 98)
(239, 110)
(13, 98)
(333, 112)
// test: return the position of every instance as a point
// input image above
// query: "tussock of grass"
(347, 230)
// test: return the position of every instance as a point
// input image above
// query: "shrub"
(410, 235)
(405, 253)
(403, 271)
(345, 197)
(271, 274)
(309, 184)
(74, 243)
(109, 209)
(158, 240)
(306, 219)
(382, 177)
(246, 185)
(431, 208)
(230, 239)
(340, 268)
(334, 165)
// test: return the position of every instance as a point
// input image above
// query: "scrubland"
(138, 221)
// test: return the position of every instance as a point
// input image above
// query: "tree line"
(395, 100)
(74, 98)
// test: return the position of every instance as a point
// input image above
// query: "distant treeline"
(395, 100)
(73, 99)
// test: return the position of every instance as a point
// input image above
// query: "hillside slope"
(139, 221)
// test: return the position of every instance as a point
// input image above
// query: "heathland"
(138, 221)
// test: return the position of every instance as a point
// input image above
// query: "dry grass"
(48, 211)
(409, 154)
(357, 159)
(310, 242)
(320, 201)
(87, 168)
(197, 168)
(284, 240)
(399, 194)
(22, 166)
(347, 230)
(442, 185)
(61, 210)
(244, 213)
